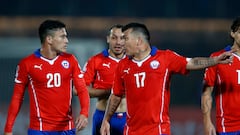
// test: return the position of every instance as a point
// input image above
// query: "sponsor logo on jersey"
(106, 65)
(154, 64)
(80, 75)
(65, 64)
(126, 70)
(38, 66)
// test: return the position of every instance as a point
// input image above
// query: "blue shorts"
(65, 132)
(117, 123)
(229, 133)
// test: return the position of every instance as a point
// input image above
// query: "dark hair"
(118, 26)
(47, 27)
(235, 24)
(139, 28)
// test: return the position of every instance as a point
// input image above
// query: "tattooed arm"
(113, 103)
(206, 106)
(203, 62)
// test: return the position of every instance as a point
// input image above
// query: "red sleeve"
(21, 81)
(177, 63)
(89, 71)
(118, 87)
(81, 88)
(210, 75)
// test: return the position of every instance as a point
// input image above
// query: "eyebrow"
(115, 35)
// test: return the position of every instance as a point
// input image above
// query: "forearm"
(112, 106)
(206, 104)
(84, 99)
(99, 93)
(14, 107)
(200, 63)
(203, 62)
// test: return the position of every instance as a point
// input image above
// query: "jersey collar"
(227, 48)
(105, 53)
(152, 53)
(37, 53)
(153, 50)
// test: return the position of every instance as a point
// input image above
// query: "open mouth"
(118, 48)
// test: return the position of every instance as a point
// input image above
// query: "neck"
(236, 48)
(142, 54)
(48, 53)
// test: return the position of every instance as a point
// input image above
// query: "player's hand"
(7, 133)
(81, 122)
(224, 58)
(209, 129)
(105, 128)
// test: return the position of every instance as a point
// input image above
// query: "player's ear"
(232, 34)
(49, 39)
(138, 41)
(108, 39)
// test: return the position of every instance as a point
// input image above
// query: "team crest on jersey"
(154, 64)
(65, 64)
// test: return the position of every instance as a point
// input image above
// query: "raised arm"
(203, 62)
(206, 106)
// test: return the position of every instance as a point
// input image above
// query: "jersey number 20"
(54, 80)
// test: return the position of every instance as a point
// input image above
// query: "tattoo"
(113, 104)
(203, 62)
(206, 103)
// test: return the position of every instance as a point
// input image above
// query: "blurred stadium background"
(189, 27)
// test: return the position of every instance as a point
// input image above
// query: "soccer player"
(224, 80)
(144, 78)
(99, 75)
(49, 73)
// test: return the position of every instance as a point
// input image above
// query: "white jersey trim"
(162, 105)
(221, 107)
(36, 104)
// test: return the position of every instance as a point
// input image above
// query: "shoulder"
(95, 58)
(217, 53)
(156, 51)
(28, 58)
(98, 56)
(68, 57)
(166, 53)
(125, 61)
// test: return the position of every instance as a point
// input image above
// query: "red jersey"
(226, 80)
(100, 69)
(50, 91)
(146, 85)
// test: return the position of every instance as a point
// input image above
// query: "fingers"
(213, 132)
(104, 131)
(225, 58)
(105, 128)
(234, 50)
(81, 123)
